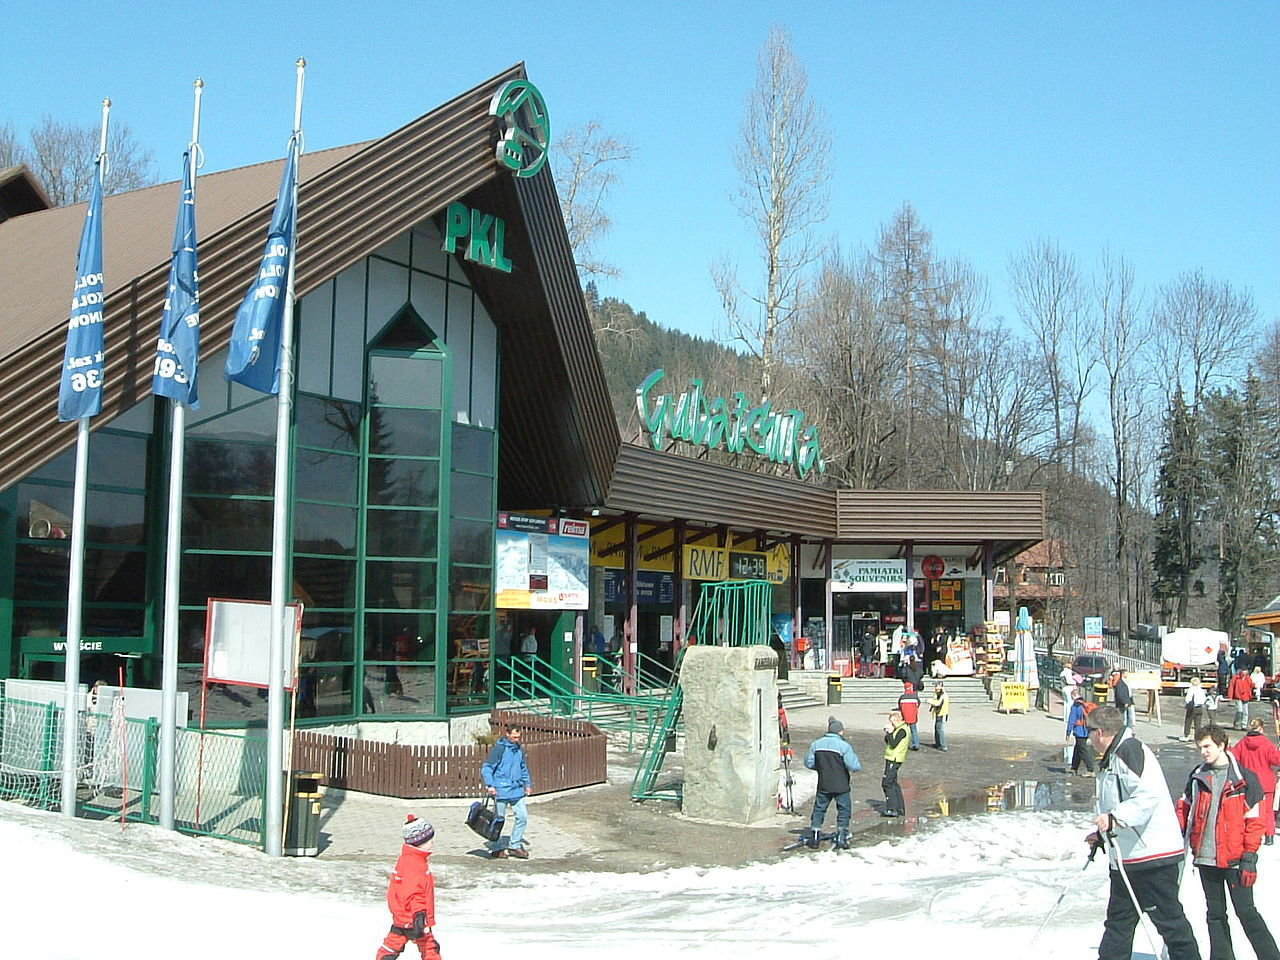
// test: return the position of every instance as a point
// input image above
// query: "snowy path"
(969, 886)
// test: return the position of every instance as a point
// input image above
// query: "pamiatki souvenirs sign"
(728, 424)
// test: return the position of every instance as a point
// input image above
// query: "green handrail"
(658, 745)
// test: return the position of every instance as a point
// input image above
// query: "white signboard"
(954, 568)
(869, 576)
(1093, 634)
(238, 641)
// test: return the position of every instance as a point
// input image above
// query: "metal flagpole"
(273, 840)
(75, 587)
(173, 560)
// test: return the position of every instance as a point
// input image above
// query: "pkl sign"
(728, 424)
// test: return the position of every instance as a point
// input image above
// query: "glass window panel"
(471, 496)
(118, 461)
(470, 588)
(427, 254)
(329, 423)
(398, 690)
(405, 381)
(426, 294)
(219, 524)
(459, 344)
(348, 332)
(327, 635)
(400, 636)
(325, 692)
(400, 584)
(61, 467)
(324, 581)
(206, 575)
(484, 368)
(113, 576)
(404, 483)
(43, 513)
(458, 272)
(109, 622)
(191, 627)
(469, 634)
(320, 528)
(472, 449)
(326, 476)
(471, 541)
(41, 572)
(140, 418)
(212, 466)
(397, 249)
(404, 433)
(39, 621)
(116, 518)
(227, 705)
(215, 395)
(388, 292)
(315, 339)
(254, 419)
(401, 533)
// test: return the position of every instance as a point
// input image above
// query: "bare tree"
(1125, 333)
(12, 152)
(1207, 332)
(905, 258)
(585, 162)
(781, 160)
(845, 358)
(62, 155)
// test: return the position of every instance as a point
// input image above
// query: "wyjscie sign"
(485, 235)
(526, 127)
(728, 424)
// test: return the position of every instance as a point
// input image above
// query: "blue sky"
(1150, 128)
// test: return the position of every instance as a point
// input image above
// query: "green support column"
(150, 741)
(8, 547)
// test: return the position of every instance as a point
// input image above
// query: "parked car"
(1092, 666)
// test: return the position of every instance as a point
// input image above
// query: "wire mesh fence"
(220, 775)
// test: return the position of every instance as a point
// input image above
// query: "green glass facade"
(393, 477)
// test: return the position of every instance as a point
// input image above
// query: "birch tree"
(781, 158)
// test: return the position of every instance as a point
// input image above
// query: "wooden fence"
(561, 754)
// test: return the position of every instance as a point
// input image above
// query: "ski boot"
(811, 838)
(841, 841)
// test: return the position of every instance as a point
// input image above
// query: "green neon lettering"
(457, 219)
(479, 250)
(655, 422)
(500, 259)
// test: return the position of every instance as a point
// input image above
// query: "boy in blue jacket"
(506, 777)
(1078, 728)
(834, 760)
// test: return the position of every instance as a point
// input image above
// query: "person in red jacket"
(1260, 755)
(1218, 812)
(411, 895)
(1241, 691)
(909, 707)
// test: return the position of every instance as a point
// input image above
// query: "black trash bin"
(835, 690)
(302, 815)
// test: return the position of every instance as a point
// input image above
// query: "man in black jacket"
(1123, 698)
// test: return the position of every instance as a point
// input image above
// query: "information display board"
(238, 642)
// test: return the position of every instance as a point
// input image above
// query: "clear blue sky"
(1148, 127)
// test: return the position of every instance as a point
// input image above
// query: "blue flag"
(178, 350)
(83, 359)
(254, 355)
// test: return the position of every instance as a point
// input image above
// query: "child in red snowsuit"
(411, 895)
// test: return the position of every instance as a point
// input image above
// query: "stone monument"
(731, 732)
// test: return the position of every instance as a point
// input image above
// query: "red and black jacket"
(1239, 829)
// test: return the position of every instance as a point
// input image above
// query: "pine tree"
(1180, 489)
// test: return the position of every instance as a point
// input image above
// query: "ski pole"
(1147, 928)
(1093, 852)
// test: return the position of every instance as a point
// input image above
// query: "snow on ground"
(89, 891)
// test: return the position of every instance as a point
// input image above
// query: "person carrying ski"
(909, 707)
(1255, 752)
(1220, 818)
(834, 760)
(506, 777)
(1137, 824)
(940, 707)
(897, 740)
(411, 895)
(1078, 729)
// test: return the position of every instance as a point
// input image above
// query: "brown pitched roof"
(21, 192)
(38, 250)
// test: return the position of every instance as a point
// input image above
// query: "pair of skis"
(786, 789)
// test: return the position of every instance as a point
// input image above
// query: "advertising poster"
(542, 563)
